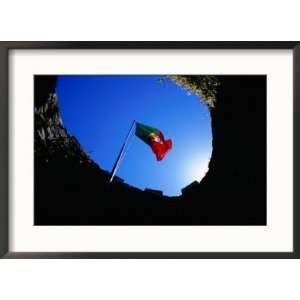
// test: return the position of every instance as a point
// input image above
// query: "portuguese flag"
(154, 138)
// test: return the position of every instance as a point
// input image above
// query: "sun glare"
(196, 169)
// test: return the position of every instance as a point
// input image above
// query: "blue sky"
(99, 109)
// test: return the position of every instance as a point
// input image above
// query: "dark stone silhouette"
(71, 189)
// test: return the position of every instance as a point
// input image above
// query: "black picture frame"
(5, 47)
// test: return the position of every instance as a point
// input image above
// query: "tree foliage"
(204, 86)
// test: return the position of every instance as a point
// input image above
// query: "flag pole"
(121, 154)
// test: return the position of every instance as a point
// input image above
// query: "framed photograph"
(149, 149)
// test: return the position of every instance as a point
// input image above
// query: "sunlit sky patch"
(99, 110)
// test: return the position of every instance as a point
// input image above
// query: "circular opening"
(99, 110)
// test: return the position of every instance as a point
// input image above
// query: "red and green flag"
(155, 139)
